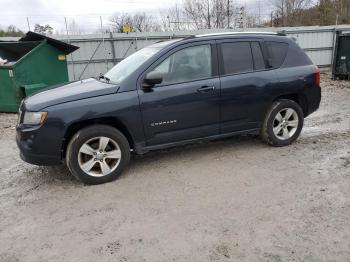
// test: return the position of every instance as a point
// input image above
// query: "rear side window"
(259, 63)
(237, 57)
(277, 52)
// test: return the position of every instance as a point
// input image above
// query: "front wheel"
(283, 123)
(97, 154)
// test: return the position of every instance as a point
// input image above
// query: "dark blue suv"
(172, 93)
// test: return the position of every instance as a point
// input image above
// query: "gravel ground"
(231, 200)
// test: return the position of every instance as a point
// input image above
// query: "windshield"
(129, 65)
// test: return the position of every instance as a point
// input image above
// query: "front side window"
(237, 57)
(188, 64)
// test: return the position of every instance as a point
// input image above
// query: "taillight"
(317, 77)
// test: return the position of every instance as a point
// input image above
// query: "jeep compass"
(171, 93)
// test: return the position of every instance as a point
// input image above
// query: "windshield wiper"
(104, 77)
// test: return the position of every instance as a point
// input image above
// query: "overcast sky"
(86, 13)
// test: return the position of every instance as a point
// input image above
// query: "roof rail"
(281, 33)
(190, 36)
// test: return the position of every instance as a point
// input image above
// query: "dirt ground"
(230, 200)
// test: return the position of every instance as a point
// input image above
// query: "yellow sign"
(61, 57)
(126, 28)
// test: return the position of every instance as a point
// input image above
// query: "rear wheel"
(97, 154)
(283, 123)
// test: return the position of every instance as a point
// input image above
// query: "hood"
(69, 92)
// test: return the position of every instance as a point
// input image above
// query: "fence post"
(112, 47)
(71, 55)
(104, 46)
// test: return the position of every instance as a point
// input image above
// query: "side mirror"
(152, 78)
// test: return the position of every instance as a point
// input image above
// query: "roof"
(64, 47)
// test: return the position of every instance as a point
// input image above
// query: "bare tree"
(43, 29)
(118, 20)
(334, 11)
(206, 14)
(139, 22)
(145, 23)
(289, 11)
(198, 11)
(219, 13)
(209, 13)
(74, 28)
(11, 31)
(175, 19)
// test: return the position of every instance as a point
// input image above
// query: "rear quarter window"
(277, 52)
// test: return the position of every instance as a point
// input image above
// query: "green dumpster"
(341, 59)
(33, 63)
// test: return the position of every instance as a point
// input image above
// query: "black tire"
(86, 134)
(267, 132)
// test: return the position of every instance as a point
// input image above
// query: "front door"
(186, 104)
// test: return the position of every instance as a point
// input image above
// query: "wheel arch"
(300, 99)
(110, 121)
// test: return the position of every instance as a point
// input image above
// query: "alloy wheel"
(286, 123)
(99, 156)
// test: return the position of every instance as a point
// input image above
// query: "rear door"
(245, 80)
(186, 104)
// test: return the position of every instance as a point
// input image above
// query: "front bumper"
(32, 149)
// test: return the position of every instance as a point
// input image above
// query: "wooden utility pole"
(209, 25)
(228, 13)
(28, 24)
(272, 19)
(282, 11)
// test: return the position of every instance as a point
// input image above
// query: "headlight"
(34, 118)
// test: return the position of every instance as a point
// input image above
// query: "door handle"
(206, 89)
